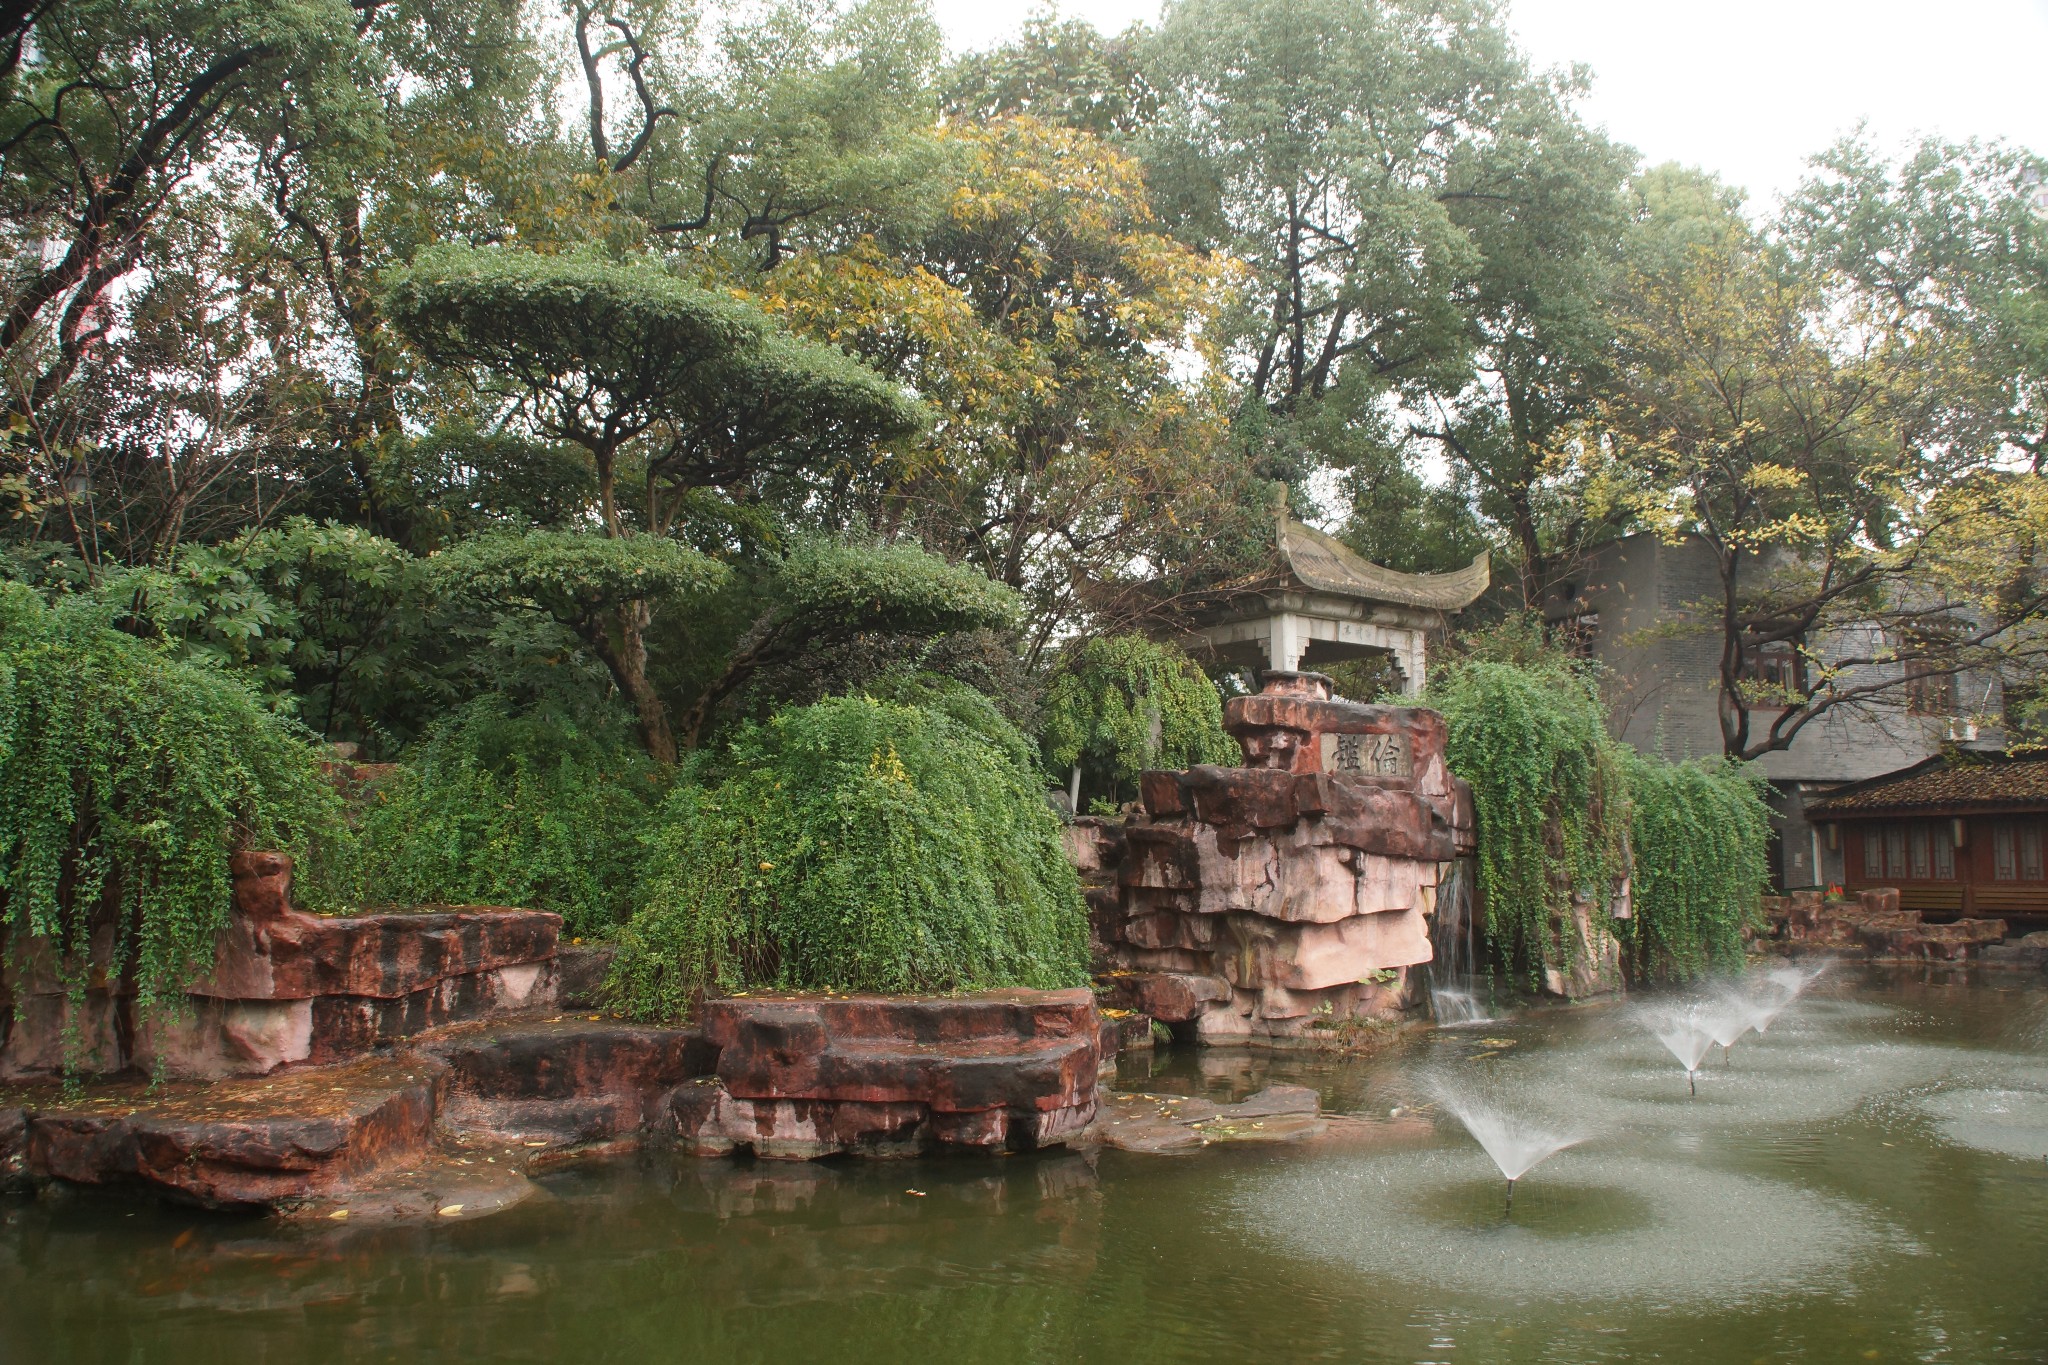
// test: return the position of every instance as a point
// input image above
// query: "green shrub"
(127, 777)
(1120, 704)
(501, 805)
(1698, 844)
(861, 845)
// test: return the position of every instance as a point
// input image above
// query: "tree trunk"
(625, 656)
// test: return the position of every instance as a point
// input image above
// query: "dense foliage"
(824, 595)
(856, 844)
(345, 362)
(127, 777)
(1533, 744)
(1118, 705)
(498, 805)
(1566, 812)
(1698, 838)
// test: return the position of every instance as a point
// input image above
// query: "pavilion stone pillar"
(1409, 658)
(1286, 642)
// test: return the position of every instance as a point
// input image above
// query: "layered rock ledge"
(1281, 902)
(420, 1063)
(475, 1107)
(1873, 925)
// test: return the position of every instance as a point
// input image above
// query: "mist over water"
(1632, 1188)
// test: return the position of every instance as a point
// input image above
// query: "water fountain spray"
(1725, 1021)
(1775, 991)
(1516, 1144)
(1684, 1035)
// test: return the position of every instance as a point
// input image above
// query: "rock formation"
(419, 1064)
(1282, 901)
(287, 987)
(1872, 924)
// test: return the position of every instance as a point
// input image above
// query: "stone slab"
(235, 1144)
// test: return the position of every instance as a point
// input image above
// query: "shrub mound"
(856, 844)
(502, 805)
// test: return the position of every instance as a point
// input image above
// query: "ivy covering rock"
(128, 776)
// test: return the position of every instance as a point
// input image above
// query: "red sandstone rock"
(806, 1076)
(244, 1144)
(288, 987)
(1093, 844)
(565, 1081)
(1301, 882)
(1174, 997)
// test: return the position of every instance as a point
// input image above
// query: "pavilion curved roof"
(1326, 564)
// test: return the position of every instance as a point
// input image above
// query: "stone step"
(1005, 1014)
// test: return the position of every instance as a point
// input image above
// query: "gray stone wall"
(1658, 636)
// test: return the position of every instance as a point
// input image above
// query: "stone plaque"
(1367, 755)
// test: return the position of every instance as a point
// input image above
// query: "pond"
(1868, 1181)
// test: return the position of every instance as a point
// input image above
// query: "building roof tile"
(1943, 785)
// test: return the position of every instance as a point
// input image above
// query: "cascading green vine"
(1120, 704)
(1533, 746)
(1564, 811)
(1698, 844)
(856, 844)
(501, 805)
(127, 779)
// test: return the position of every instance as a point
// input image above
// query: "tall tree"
(689, 387)
(1045, 318)
(1808, 442)
(1058, 71)
(1314, 142)
(1543, 207)
(111, 106)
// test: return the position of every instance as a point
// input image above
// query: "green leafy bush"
(1698, 844)
(501, 805)
(1564, 809)
(1120, 704)
(855, 844)
(127, 777)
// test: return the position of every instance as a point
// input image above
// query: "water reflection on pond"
(1866, 1182)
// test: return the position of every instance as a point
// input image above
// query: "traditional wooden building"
(1962, 837)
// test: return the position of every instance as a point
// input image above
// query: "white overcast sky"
(1745, 88)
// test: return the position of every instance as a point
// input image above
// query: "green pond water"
(1866, 1182)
